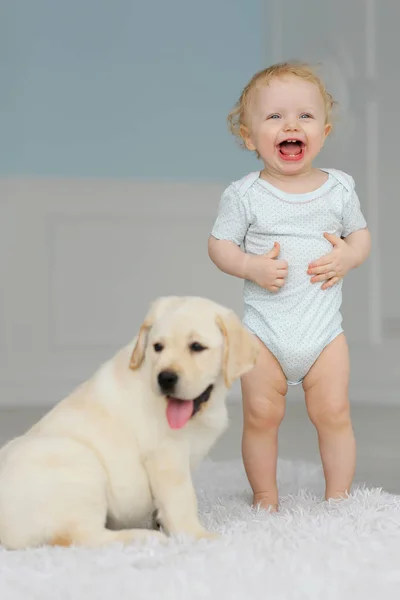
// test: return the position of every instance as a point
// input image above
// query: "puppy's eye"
(197, 347)
(158, 347)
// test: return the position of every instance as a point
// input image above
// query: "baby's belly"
(298, 251)
(298, 321)
(300, 312)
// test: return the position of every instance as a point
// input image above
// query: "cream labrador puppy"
(122, 445)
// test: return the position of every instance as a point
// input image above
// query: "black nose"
(167, 380)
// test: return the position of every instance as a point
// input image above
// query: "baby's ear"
(246, 137)
(328, 130)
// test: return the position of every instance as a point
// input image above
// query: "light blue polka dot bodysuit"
(300, 320)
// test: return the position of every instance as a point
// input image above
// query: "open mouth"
(291, 150)
(179, 412)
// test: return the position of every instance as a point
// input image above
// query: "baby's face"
(287, 124)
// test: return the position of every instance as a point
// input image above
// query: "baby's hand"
(332, 267)
(266, 271)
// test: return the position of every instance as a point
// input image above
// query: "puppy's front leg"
(170, 480)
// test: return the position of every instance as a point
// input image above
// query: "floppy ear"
(139, 349)
(156, 311)
(240, 348)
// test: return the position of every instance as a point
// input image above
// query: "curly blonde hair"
(237, 116)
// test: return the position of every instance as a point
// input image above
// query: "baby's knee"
(331, 415)
(262, 413)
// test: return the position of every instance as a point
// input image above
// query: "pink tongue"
(179, 412)
(290, 148)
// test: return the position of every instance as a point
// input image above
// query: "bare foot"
(265, 502)
(336, 495)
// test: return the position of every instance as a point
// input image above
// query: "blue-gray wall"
(119, 88)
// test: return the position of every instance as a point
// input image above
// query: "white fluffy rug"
(310, 550)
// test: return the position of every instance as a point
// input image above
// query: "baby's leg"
(326, 393)
(264, 390)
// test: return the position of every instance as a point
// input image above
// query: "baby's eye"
(273, 117)
(306, 116)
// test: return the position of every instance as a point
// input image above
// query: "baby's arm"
(360, 242)
(229, 232)
(228, 257)
(355, 231)
(349, 251)
(264, 270)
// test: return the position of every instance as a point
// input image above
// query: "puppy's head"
(192, 346)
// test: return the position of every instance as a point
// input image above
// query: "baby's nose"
(291, 126)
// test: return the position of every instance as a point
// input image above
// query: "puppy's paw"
(160, 535)
(203, 534)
